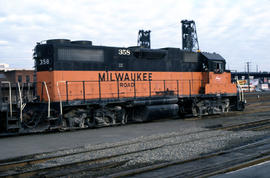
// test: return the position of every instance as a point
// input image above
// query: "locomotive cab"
(213, 62)
(217, 66)
(219, 79)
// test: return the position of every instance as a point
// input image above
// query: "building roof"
(212, 56)
(15, 70)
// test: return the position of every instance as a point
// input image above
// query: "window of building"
(19, 78)
(27, 78)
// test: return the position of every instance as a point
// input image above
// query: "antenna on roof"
(144, 39)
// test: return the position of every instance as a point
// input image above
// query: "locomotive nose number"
(124, 52)
(44, 61)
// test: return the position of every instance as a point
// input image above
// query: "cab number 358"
(123, 52)
(44, 61)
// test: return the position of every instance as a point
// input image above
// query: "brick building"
(13, 76)
(18, 75)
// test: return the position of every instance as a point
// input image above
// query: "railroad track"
(249, 126)
(66, 162)
(207, 165)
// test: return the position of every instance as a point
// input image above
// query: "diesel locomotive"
(81, 85)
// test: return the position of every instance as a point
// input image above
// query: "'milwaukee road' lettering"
(124, 76)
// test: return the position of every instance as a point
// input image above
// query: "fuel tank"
(148, 113)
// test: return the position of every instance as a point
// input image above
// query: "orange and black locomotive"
(80, 85)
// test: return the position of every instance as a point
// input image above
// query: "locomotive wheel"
(195, 110)
(240, 106)
(32, 117)
(124, 117)
(77, 118)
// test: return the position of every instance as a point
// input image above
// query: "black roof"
(212, 56)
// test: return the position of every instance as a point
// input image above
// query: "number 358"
(44, 61)
(124, 52)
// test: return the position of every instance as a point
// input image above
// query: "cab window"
(218, 67)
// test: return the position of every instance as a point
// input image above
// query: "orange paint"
(146, 84)
(220, 83)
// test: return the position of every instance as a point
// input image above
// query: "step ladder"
(12, 119)
(12, 122)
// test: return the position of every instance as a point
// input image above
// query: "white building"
(4, 66)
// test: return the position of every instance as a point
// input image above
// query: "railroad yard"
(81, 96)
(179, 147)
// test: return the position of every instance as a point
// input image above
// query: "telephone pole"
(248, 63)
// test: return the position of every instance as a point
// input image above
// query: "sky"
(239, 30)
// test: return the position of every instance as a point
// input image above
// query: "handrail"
(20, 98)
(59, 95)
(177, 83)
(241, 91)
(49, 100)
(168, 80)
(22, 88)
(10, 99)
(28, 91)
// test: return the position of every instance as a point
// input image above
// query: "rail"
(55, 165)
(241, 92)
(20, 98)
(59, 95)
(10, 98)
(49, 100)
(15, 95)
(28, 91)
(21, 93)
(82, 90)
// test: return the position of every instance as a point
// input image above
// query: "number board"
(44, 62)
(124, 52)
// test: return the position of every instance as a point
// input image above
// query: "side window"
(19, 78)
(219, 67)
(27, 78)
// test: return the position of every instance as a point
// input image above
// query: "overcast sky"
(239, 30)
